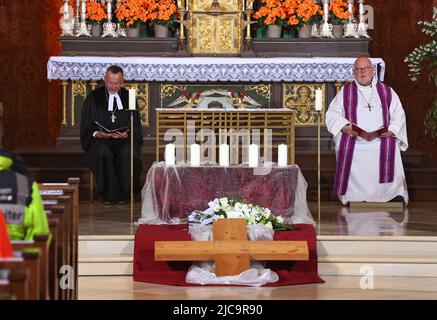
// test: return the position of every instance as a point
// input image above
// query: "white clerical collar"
(372, 84)
(111, 98)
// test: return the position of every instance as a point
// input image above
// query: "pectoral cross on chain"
(113, 117)
(370, 108)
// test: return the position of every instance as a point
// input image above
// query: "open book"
(102, 127)
(369, 136)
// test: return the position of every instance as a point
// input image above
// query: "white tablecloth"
(204, 69)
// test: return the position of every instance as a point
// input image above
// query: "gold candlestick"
(182, 45)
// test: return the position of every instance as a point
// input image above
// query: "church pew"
(66, 199)
(40, 242)
(70, 189)
(15, 286)
(59, 209)
(53, 257)
(29, 261)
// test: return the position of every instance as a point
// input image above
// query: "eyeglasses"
(362, 69)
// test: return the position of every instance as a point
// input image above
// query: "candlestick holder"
(83, 28)
(326, 30)
(67, 26)
(326, 27)
(319, 117)
(350, 29)
(362, 26)
(121, 31)
(182, 40)
(248, 50)
(77, 17)
(110, 28)
(315, 31)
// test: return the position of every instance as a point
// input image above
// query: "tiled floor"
(335, 287)
(419, 219)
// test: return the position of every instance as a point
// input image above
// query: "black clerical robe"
(109, 160)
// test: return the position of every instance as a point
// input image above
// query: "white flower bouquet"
(232, 208)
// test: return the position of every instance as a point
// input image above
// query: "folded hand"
(387, 134)
(348, 130)
(119, 135)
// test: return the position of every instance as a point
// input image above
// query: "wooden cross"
(231, 250)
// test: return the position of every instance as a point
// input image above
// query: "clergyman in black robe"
(108, 153)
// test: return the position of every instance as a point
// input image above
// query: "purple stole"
(347, 143)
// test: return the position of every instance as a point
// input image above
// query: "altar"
(285, 82)
(171, 193)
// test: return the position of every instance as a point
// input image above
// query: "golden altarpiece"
(215, 28)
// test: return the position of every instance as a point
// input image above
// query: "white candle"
(132, 99)
(170, 158)
(351, 6)
(224, 155)
(66, 9)
(362, 7)
(109, 7)
(319, 99)
(282, 155)
(83, 10)
(195, 154)
(325, 9)
(253, 156)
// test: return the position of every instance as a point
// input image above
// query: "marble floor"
(418, 219)
(334, 288)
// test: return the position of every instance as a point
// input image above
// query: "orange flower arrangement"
(163, 12)
(131, 12)
(273, 12)
(340, 12)
(291, 12)
(308, 12)
(95, 12)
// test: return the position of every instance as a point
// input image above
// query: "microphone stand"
(318, 169)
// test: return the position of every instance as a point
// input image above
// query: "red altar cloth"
(146, 269)
(175, 191)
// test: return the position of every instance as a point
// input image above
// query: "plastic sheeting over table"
(171, 193)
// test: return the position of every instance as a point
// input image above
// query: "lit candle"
(195, 154)
(170, 157)
(319, 99)
(282, 155)
(253, 156)
(224, 155)
(132, 99)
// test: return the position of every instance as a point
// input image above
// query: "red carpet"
(146, 269)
